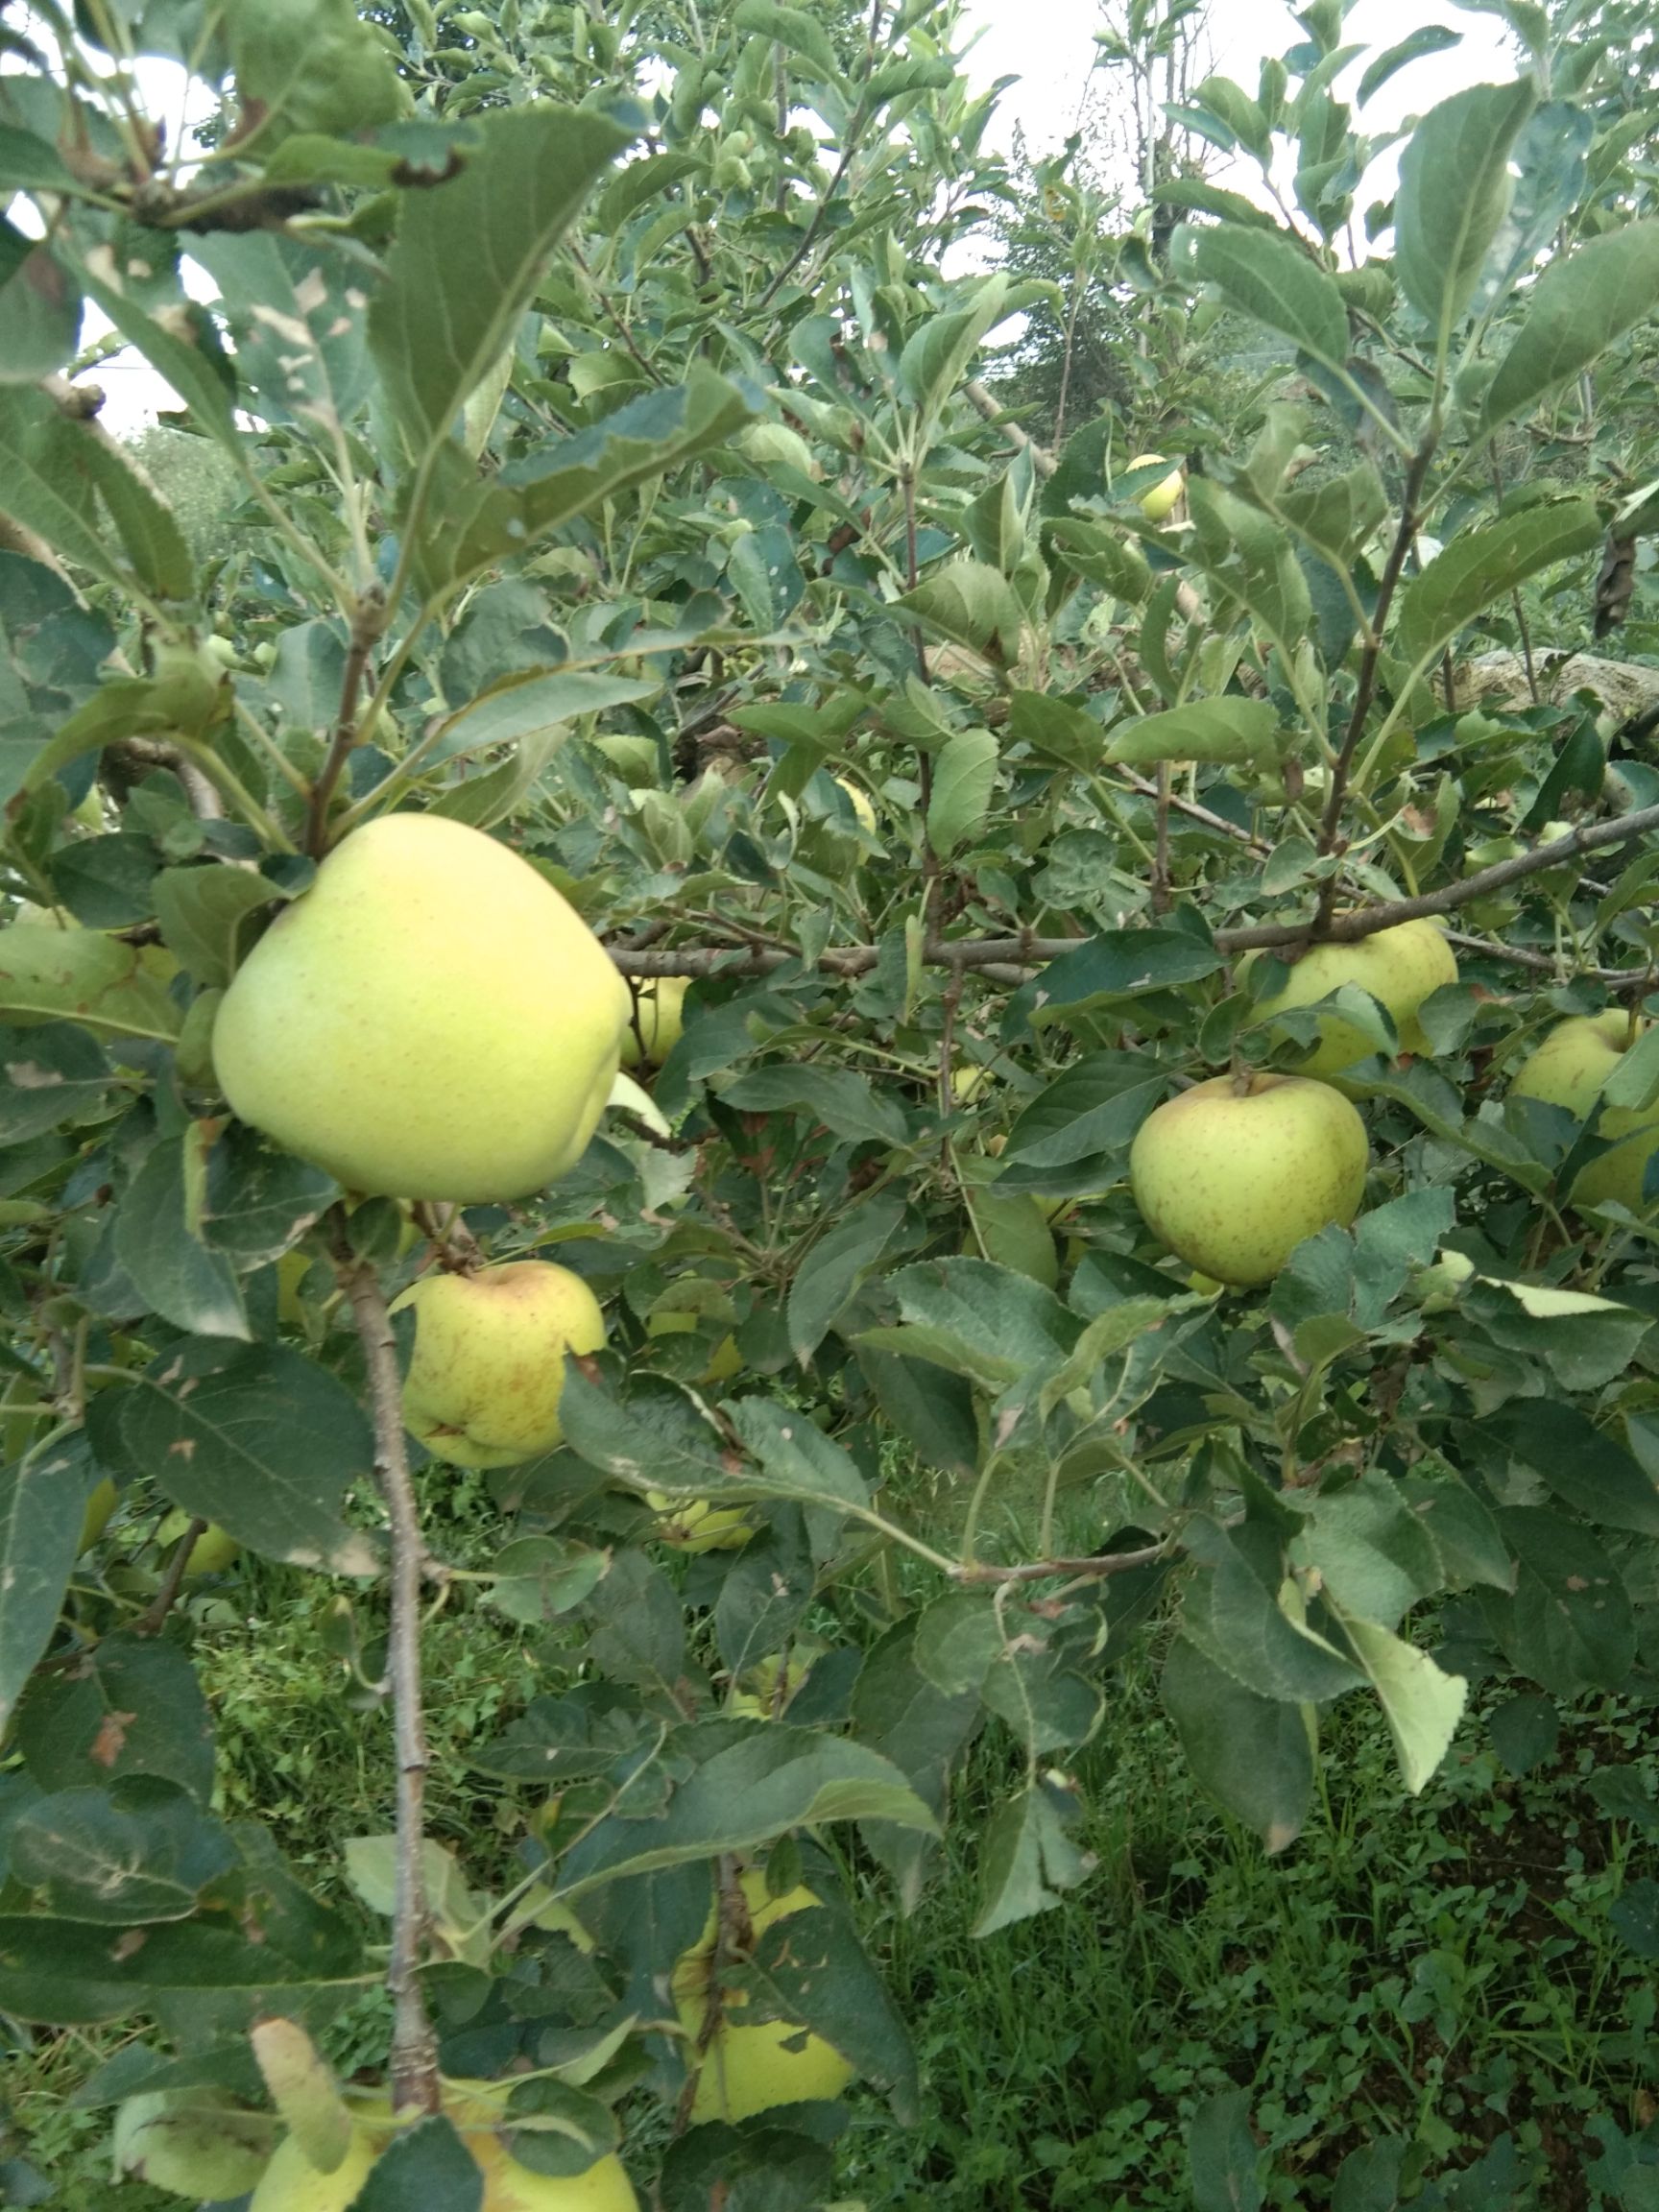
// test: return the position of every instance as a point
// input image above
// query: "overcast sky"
(1047, 46)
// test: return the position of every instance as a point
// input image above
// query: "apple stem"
(414, 2045)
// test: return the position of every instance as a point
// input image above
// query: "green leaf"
(1569, 1626)
(42, 1497)
(42, 488)
(79, 976)
(1586, 1469)
(157, 1241)
(1252, 1754)
(39, 309)
(930, 1408)
(809, 1967)
(526, 706)
(1455, 191)
(193, 2139)
(658, 1437)
(308, 66)
(834, 1267)
(259, 1439)
(797, 1459)
(535, 1578)
(1118, 964)
(563, 479)
(148, 531)
(1263, 276)
(1430, 38)
(776, 1779)
(940, 351)
(66, 1973)
(964, 777)
(1224, 2154)
(1422, 1705)
(1579, 306)
(792, 27)
(978, 1320)
(470, 253)
(1250, 1624)
(1484, 565)
(132, 1705)
(1209, 729)
(845, 1103)
(49, 1074)
(29, 163)
(426, 2168)
(1373, 1553)
(140, 1850)
(1027, 1857)
(298, 311)
(189, 371)
(1081, 1124)
(202, 911)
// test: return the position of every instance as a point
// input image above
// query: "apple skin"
(1569, 1069)
(291, 2183)
(1233, 1181)
(1163, 498)
(488, 1369)
(746, 2069)
(212, 1553)
(1399, 967)
(430, 1021)
(661, 1021)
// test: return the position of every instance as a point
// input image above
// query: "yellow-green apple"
(1569, 1069)
(697, 1525)
(212, 1552)
(291, 2183)
(658, 1024)
(1233, 1174)
(741, 2069)
(1399, 967)
(431, 1020)
(488, 1369)
(1161, 499)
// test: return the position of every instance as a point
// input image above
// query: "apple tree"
(603, 467)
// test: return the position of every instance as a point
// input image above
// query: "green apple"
(659, 1022)
(775, 445)
(185, 685)
(1399, 967)
(212, 1553)
(1233, 1174)
(739, 2069)
(431, 1020)
(488, 1369)
(772, 1686)
(291, 2183)
(1569, 1069)
(969, 1080)
(696, 1525)
(1163, 498)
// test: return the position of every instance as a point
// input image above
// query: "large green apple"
(430, 1021)
(1399, 967)
(488, 1369)
(658, 1023)
(745, 2069)
(1569, 1069)
(1233, 1174)
(291, 2183)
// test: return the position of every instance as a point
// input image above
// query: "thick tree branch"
(414, 2045)
(1028, 951)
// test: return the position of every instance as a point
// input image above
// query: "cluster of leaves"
(611, 474)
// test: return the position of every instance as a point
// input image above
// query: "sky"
(1047, 47)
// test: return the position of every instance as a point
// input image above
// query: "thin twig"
(974, 1575)
(1161, 850)
(368, 626)
(1403, 539)
(1022, 441)
(149, 1623)
(414, 2045)
(609, 306)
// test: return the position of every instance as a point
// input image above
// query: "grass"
(1441, 1969)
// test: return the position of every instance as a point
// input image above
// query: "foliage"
(614, 476)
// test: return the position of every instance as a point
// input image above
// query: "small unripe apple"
(185, 685)
(659, 1022)
(488, 1369)
(1233, 1174)
(743, 2069)
(100, 1507)
(1569, 1069)
(1163, 498)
